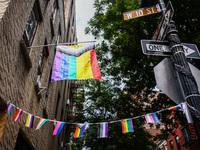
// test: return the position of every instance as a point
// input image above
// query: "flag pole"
(37, 46)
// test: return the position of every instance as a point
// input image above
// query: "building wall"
(187, 140)
(18, 78)
(70, 18)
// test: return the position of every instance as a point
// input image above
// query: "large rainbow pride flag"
(75, 62)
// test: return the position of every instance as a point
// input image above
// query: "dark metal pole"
(162, 6)
(189, 85)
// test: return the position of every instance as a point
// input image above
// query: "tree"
(121, 59)
(105, 102)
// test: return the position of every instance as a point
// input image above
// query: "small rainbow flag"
(29, 121)
(17, 114)
(58, 128)
(127, 126)
(177, 107)
(9, 108)
(79, 131)
(40, 123)
(152, 118)
(82, 65)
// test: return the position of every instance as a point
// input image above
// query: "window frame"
(171, 144)
(43, 59)
(32, 24)
(54, 11)
(178, 142)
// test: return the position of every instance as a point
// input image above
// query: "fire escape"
(189, 138)
(72, 105)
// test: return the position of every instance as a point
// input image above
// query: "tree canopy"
(128, 79)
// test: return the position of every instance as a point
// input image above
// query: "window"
(54, 10)
(173, 123)
(31, 25)
(45, 5)
(168, 126)
(42, 61)
(57, 105)
(171, 145)
(186, 135)
(178, 142)
(53, 16)
(59, 34)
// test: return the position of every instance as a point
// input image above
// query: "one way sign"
(159, 48)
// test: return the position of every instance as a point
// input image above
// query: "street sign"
(162, 48)
(161, 30)
(168, 81)
(141, 12)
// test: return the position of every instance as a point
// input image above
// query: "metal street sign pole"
(161, 30)
(189, 85)
(167, 30)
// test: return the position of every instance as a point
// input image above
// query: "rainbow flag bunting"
(152, 118)
(177, 107)
(58, 128)
(40, 123)
(79, 131)
(17, 114)
(9, 108)
(29, 121)
(127, 126)
(83, 65)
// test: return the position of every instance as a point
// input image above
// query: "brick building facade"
(26, 72)
(180, 138)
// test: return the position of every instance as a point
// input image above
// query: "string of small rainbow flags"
(127, 125)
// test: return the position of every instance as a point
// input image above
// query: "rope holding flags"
(127, 125)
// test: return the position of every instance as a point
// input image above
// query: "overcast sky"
(84, 11)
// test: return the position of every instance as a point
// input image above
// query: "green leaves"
(128, 78)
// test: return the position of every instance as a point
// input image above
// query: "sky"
(84, 11)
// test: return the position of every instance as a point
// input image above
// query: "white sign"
(151, 47)
(141, 12)
(166, 48)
